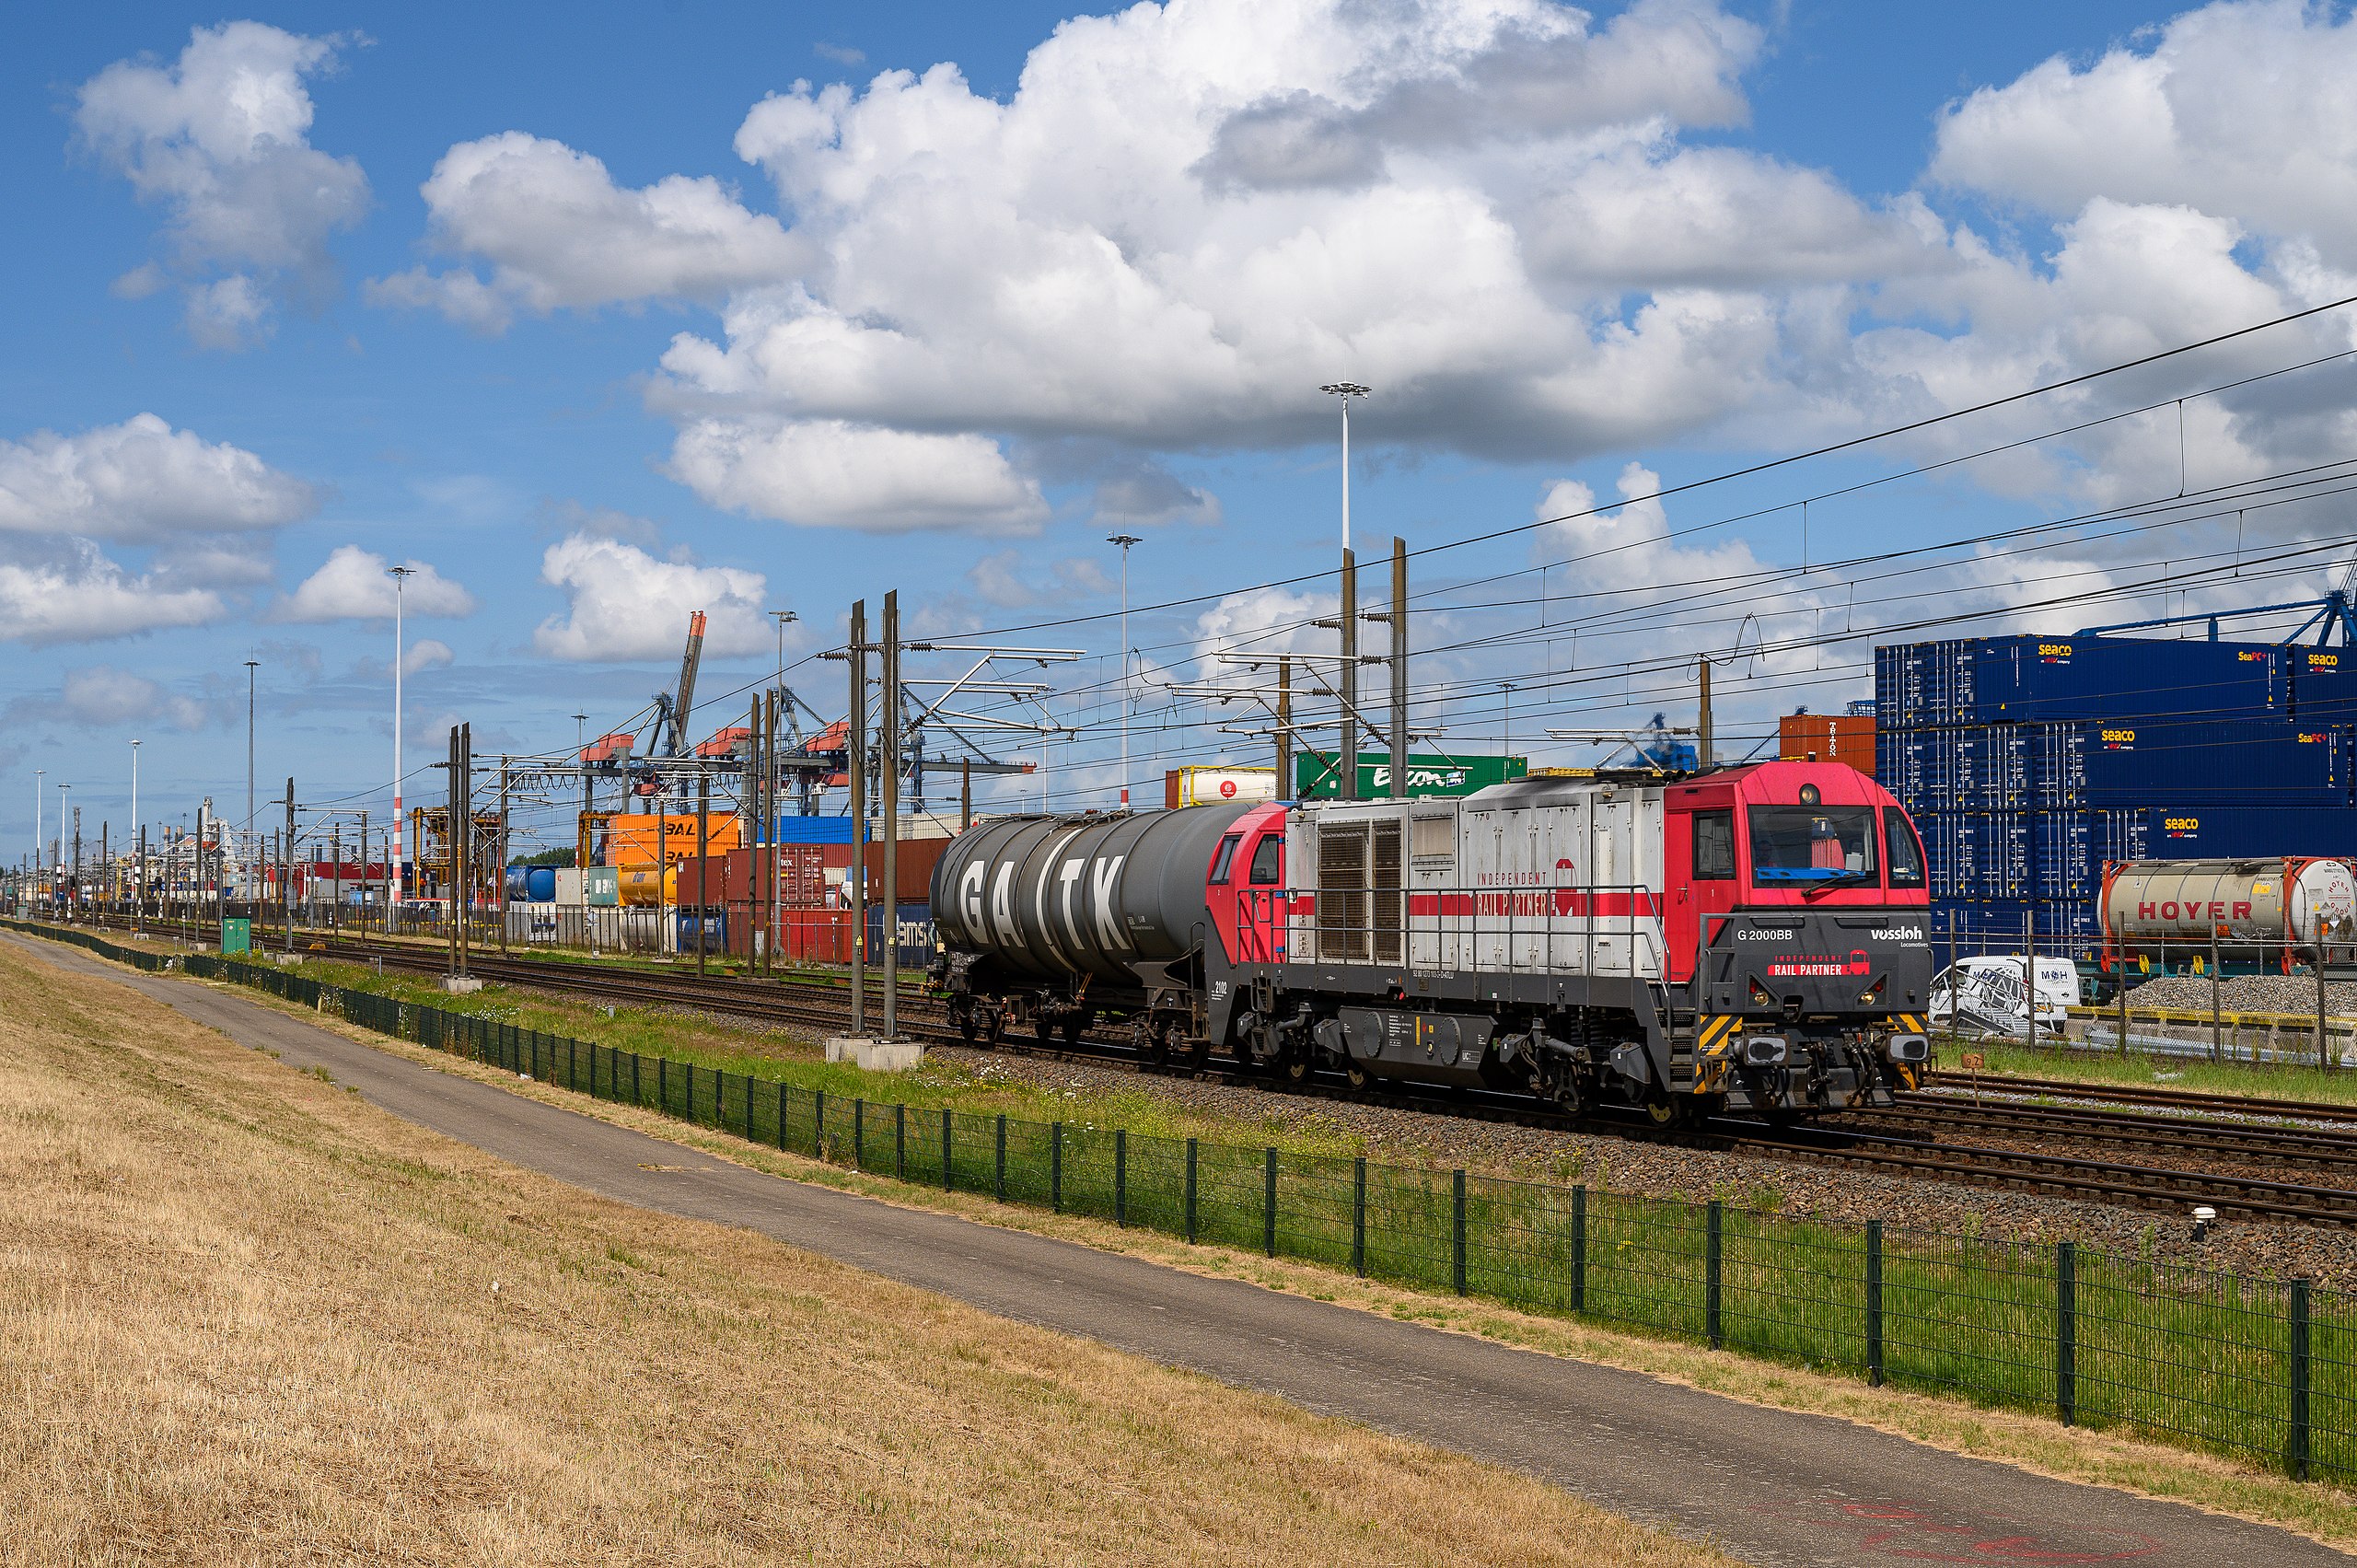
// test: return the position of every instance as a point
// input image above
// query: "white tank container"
(2286, 902)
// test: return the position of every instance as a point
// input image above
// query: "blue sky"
(943, 336)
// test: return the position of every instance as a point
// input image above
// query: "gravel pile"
(2247, 993)
(1793, 1189)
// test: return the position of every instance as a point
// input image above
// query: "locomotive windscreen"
(1808, 843)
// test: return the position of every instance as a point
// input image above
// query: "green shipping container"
(1315, 776)
(237, 936)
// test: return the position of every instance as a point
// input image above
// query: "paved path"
(1770, 1486)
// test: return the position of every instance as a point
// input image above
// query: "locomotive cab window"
(1268, 860)
(1220, 862)
(1901, 850)
(1714, 846)
(1799, 845)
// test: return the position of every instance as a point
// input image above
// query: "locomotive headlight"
(1765, 1050)
(1908, 1048)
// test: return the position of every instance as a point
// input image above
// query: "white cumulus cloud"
(220, 138)
(100, 696)
(352, 585)
(836, 474)
(142, 481)
(626, 604)
(74, 594)
(557, 232)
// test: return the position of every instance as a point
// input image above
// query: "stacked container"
(2030, 761)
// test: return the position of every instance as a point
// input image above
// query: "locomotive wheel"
(1665, 1111)
(1297, 1068)
(1354, 1074)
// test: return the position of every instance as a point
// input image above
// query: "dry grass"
(2029, 1441)
(244, 1317)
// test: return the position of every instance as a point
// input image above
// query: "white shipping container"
(568, 884)
(1218, 787)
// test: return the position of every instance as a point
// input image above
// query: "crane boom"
(686, 699)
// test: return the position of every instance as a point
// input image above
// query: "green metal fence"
(2261, 1368)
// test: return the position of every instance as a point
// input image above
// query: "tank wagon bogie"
(1752, 938)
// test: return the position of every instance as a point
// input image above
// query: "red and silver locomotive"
(1752, 938)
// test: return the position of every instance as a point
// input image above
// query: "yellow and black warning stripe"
(1717, 1034)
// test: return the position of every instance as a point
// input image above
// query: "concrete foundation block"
(876, 1055)
(460, 984)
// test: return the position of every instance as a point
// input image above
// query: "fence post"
(1874, 1303)
(1713, 1220)
(1120, 1176)
(948, 1165)
(663, 1083)
(2066, 1331)
(1458, 1225)
(900, 1142)
(1000, 1188)
(1358, 1217)
(1579, 1248)
(1269, 1202)
(783, 1101)
(2295, 1447)
(1056, 1167)
(1191, 1191)
(635, 1097)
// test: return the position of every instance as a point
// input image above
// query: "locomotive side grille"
(1390, 907)
(1342, 893)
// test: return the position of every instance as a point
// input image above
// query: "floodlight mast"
(393, 871)
(1346, 747)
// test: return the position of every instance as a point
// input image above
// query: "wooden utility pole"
(856, 884)
(703, 863)
(1346, 747)
(1285, 727)
(1399, 670)
(891, 877)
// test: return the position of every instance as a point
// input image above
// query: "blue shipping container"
(796, 829)
(2024, 679)
(2324, 685)
(2225, 833)
(2248, 761)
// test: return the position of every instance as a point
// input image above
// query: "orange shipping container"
(1831, 737)
(629, 837)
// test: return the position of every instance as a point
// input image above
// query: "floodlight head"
(1347, 390)
(1124, 539)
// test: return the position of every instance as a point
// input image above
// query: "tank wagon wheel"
(1198, 1054)
(970, 1028)
(1044, 1028)
(993, 1027)
(1297, 1067)
(1076, 1025)
(1354, 1074)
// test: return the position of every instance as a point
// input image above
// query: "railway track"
(2154, 1096)
(1865, 1141)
